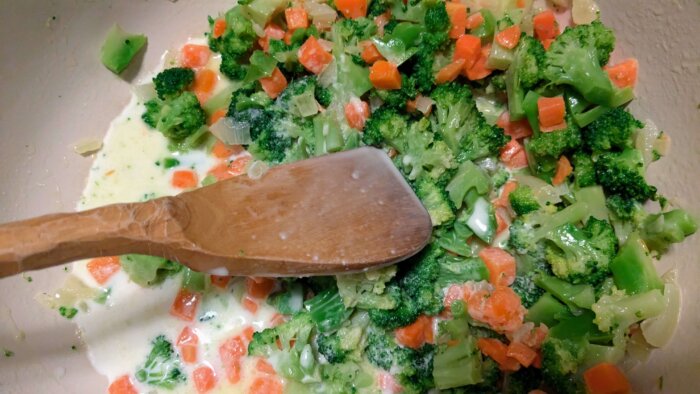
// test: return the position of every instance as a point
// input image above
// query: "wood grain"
(344, 212)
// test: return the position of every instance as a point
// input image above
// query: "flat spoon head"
(344, 212)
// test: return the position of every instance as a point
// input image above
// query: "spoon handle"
(116, 229)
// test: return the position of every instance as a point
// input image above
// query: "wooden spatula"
(344, 212)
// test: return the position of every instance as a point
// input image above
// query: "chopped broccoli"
(177, 118)
(584, 171)
(456, 269)
(574, 296)
(632, 268)
(659, 231)
(575, 58)
(526, 288)
(323, 95)
(367, 290)
(523, 74)
(624, 208)
(330, 347)
(162, 367)
(433, 42)
(120, 48)
(352, 31)
(556, 143)
(547, 310)
(421, 154)
(623, 174)
(327, 310)
(613, 130)
(619, 310)
(385, 125)
(528, 230)
(457, 365)
(378, 7)
(523, 200)
(435, 200)
(236, 41)
(397, 98)
(289, 300)
(171, 82)
(469, 181)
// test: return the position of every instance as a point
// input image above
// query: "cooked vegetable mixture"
(513, 132)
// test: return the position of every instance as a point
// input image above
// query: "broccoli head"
(422, 154)
(619, 310)
(523, 74)
(162, 367)
(330, 347)
(436, 201)
(290, 334)
(661, 230)
(556, 143)
(239, 36)
(171, 82)
(385, 124)
(176, 118)
(623, 174)
(584, 171)
(613, 130)
(523, 200)
(560, 361)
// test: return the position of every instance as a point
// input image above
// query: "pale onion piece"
(87, 146)
(424, 104)
(325, 44)
(144, 92)
(584, 11)
(545, 193)
(71, 293)
(375, 102)
(231, 132)
(645, 140)
(259, 30)
(329, 75)
(638, 349)
(488, 164)
(257, 169)
(321, 14)
(480, 221)
(662, 145)
(659, 330)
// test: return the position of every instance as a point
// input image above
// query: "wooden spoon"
(344, 212)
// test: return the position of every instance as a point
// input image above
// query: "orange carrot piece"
(219, 28)
(467, 47)
(204, 82)
(264, 367)
(259, 287)
(194, 56)
(556, 127)
(501, 221)
(388, 384)
(385, 75)
(497, 350)
(502, 200)
(504, 311)
(230, 353)
(500, 264)
(509, 37)
(606, 378)
(380, 21)
(546, 43)
(204, 379)
(185, 305)
(520, 3)
(218, 114)
(357, 113)
(266, 385)
(122, 385)
(223, 151)
(545, 25)
(313, 57)
(370, 54)
(296, 18)
(474, 20)
(623, 74)
(274, 84)
(220, 281)
(522, 353)
(250, 305)
(458, 18)
(352, 9)
(563, 170)
(551, 110)
(184, 179)
(103, 268)
(416, 334)
(272, 32)
(450, 72)
(515, 129)
(479, 69)
(187, 345)
(513, 155)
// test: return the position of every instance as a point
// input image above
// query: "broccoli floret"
(245, 98)
(457, 365)
(176, 118)
(162, 367)
(433, 41)
(296, 330)
(397, 98)
(462, 126)
(171, 82)
(435, 200)
(632, 268)
(624, 208)
(522, 381)
(660, 230)
(619, 310)
(414, 289)
(421, 154)
(527, 231)
(575, 58)
(556, 143)
(385, 124)
(524, 286)
(623, 174)
(269, 142)
(239, 36)
(523, 74)
(560, 361)
(324, 96)
(329, 346)
(232, 67)
(523, 200)
(352, 31)
(613, 130)
(584, 171)
(367, 290)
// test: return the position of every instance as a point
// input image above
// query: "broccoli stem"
(572, 214)
(457, 365)
(547, 310)
(633, 269)
(574, 296)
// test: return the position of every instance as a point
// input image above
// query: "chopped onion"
(259, 31)
(87, 146)
(662, 145)
(584, 11)
(545, 193)
(645, 141)
(325, 44)
(659, 330)
(329, 75)
(231, 132)
(375, 102)
(257, 169)
(424, 104)
(305, 104)
(144, 91)
(71, 293)
(321, 14)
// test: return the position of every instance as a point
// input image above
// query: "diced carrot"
(288, 37)
(185, 305)
(250, 305)
(352, 8)
(220, 281)
(313, 57)
(219, 28)
(416, 334)
(545, 25)
(502, 221)
(225, 171)
(474, 20)
(479, 70)
(606, 378)
(194, 56)
(385, 75)
(277, 319)
(556, 127)
(103, 268)
(450, 72)
(537, 363)
(515, 129)
(504, 311)
(204, 82)
(230, 353)
(458, 18)
(387, 384)
(272, 32)
(623, 74)
(370, 54)
(274, 84)
(122, 385)
(297, 18)
(563, 170)
(509, 37)
(218, 114)
(497, 350)
(187, 344)
(546, 43)
(223, 151)
(264, 367)
(259, 287)
(513, 155)
(204, 379)
(248, 333)
(502, 201)
(520, 3)
(357, 113)
(184, 179)
(266, 385)
(551, 110)
(453, 293)
(468, 47)
(522, 353)
(501, 266)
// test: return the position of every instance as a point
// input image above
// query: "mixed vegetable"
(513, 133)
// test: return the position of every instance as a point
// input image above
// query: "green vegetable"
(659, 231)
(523, 74)
(454, 269)
(148, 270)
(612, 131)
(171, 82)
(523, 200)
(119, 48)
(367, 290)
(177, 118)
(547, 310)
(67, 312)
(457, 365)
(327, 310)
(623, 174)
(621, 310)
(632, 268)
(162, 367)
